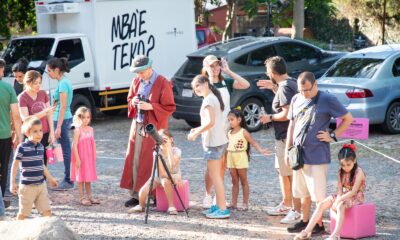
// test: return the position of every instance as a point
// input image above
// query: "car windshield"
(355, 68)
(37, 49)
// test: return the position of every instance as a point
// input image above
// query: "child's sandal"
(85, 202)
(172, 211)
(244, 207)
(94, 201)
(302, 235)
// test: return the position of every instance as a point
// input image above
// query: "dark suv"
(246, 56)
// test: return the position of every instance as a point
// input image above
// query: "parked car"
(204, 36)
(367, 82)
(246, 56)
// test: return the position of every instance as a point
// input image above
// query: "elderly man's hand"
(145, 106)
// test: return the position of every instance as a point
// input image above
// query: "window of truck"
(72, 50)
(32, 49)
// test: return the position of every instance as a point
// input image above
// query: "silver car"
(367, 82)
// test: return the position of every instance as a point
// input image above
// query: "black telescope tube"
(152, 131)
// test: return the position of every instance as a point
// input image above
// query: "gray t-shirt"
(315, 151)
(286, 90)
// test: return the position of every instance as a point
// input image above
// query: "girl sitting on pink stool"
(172, 157)
(351, 187)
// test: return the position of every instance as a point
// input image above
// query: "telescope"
(152, 131)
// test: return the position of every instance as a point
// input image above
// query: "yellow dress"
(237, 154)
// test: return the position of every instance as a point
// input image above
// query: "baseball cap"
(210, 59)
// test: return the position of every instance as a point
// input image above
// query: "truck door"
(81, 73)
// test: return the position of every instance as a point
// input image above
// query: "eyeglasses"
(306, 90)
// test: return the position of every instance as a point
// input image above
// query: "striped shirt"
(30, 156)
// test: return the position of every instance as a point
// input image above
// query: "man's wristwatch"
(270, 117)
(333, 136)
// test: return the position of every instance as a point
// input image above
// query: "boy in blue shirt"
(32, 188)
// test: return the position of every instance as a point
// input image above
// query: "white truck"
(100, 38)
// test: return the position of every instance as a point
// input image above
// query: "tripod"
(155, 166)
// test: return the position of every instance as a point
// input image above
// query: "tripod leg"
(173, 184)
(155, 166)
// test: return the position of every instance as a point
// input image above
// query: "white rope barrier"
(373, 150)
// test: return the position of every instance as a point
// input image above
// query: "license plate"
(187, 93)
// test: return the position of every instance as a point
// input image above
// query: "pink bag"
(58, 154)
(50, 155)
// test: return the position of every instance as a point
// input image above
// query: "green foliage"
(321, 18)
(16, 13)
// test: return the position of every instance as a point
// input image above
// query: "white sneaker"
(207, 201)
(136, 209)
(291, 218)
(279, 210)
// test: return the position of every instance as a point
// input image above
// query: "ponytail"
(60, 63)
(202, 79)
(218, 95)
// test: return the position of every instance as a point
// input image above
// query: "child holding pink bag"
(83, 161)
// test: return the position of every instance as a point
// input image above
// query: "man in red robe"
(150, 100)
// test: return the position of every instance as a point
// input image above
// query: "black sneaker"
(131, 202)
(298, 227)
(7, 203)
(318, 229)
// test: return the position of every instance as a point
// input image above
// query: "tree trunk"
(298, 19)
(231, 13)
(383, 22)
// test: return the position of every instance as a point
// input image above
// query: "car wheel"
(80, 100)
(251, 109)
(193, 124)
(392, 119)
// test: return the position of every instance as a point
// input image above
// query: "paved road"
(110, 221)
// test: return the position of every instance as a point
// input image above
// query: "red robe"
(162, 100)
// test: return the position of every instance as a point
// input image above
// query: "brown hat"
(210, 59)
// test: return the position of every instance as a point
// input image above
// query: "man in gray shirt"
(309, 183)
(284, 88)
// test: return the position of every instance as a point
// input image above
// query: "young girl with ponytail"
(350, 192)
(214, 140)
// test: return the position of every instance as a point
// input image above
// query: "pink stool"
(359, 221)
(162, 203)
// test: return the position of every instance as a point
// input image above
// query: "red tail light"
(359, 93)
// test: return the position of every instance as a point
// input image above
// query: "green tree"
(18, 14)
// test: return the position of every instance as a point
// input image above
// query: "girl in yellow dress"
(239, 140)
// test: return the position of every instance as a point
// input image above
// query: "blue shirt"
(144, 91)
(63, 86)
(315, 151)
(30, 156)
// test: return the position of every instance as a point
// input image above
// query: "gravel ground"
(109, 220)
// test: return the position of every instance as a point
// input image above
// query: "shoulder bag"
(295, 152)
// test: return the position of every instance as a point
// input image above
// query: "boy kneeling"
(32, 188)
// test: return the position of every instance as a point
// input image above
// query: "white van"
(100, 38)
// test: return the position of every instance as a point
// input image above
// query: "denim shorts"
(214, 153)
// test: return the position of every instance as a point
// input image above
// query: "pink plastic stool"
(162, 203)
(359, 221)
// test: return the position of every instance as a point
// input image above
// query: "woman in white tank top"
(213, 68)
